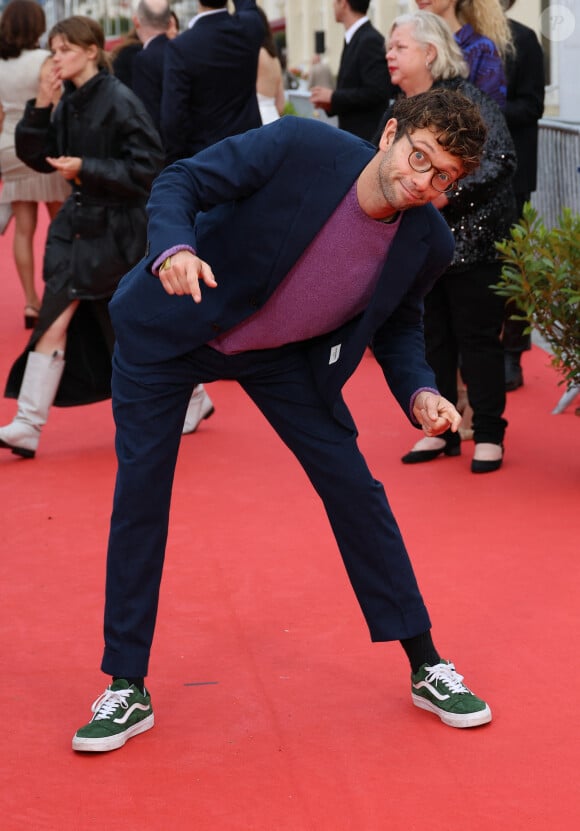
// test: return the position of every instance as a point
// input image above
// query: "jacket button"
(216, 327)
(254, 303)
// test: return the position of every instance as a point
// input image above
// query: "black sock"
(137, 682)
(420, 650)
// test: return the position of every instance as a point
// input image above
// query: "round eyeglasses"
(421, 163)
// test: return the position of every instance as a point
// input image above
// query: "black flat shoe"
(415, 457)
(514, 377)
(514, 382)
(485, 465)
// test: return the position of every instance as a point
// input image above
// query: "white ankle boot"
(37, 392)
(200, 406)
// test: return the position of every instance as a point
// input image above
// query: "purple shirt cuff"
(413, 398)
(170, 251)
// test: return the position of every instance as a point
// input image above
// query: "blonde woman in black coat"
(463, 316)
(102, 141)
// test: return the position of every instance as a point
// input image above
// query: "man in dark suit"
(320, 245)
(363, 86)
(524, 109)
(151, 20)
(209, 83)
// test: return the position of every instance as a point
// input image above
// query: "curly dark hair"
(449, 114)
(21, 26)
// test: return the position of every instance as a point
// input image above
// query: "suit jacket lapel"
(325, 192)
(404, 261)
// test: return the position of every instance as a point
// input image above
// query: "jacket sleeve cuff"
(169, 253)
(413, 399)
(37, 116)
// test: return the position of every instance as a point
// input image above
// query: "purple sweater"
(331, 283)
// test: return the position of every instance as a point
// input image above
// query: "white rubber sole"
(112, 742)
(454, 719)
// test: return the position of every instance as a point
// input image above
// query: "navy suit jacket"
(147, 76)
(249, 206)
(209, 82)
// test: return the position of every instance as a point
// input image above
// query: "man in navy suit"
(154, 22)
(320, 245)
(209, 82)
(363, 85)
(152, 19)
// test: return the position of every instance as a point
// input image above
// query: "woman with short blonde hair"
(463, 316)
(448, 61)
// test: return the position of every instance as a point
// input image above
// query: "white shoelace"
(106, 704)
(447, 675)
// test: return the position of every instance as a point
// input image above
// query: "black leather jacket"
(100, 232)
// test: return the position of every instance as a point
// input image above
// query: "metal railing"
(558, 183)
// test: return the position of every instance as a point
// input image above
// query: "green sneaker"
(119, 713)
(441, 690)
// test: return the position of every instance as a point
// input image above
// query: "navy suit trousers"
(149, 404)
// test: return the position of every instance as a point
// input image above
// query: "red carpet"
(274, 712)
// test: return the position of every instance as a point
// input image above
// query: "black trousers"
(149, 405)
(463, 322)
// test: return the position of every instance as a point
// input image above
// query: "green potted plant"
(541, 276)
